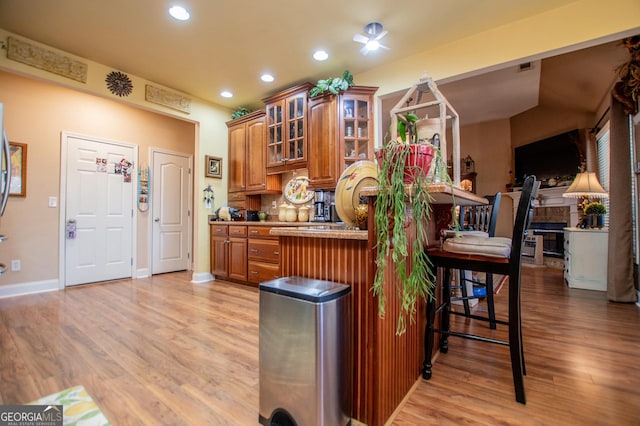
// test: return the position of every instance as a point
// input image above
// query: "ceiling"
(228, 44)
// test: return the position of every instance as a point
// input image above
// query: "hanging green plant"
(406, 170)
(334, 85)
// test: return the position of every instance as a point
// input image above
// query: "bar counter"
(386, 366)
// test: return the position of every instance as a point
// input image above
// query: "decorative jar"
(292, 213)
(303, 214)
(282, 212)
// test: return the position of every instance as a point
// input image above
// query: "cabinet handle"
(254, 272)
(253, 232)
(276, 252)
(254, 250)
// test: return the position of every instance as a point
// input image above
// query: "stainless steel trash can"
(305, 352)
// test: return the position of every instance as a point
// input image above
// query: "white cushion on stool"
(449, 233)
(485, 246)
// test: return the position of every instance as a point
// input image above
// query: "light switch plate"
(53, 201)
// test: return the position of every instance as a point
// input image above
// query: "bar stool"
(478, 220)
(493, 255)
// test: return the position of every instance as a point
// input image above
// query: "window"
(602, 144)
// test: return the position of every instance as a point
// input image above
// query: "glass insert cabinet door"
(275, 141)
(296, 106)
(286, 124)
(356, 129)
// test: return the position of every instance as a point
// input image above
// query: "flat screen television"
(553, 157)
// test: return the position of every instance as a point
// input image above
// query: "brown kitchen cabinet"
(247, 163)
(263, 255)
(229, 251)
(286, 128)
(340, 133)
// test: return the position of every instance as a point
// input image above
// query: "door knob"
(157, 219)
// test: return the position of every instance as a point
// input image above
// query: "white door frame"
(63, 201)
(150, 243)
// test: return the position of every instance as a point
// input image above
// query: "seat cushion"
(473, 244)
(450, 233)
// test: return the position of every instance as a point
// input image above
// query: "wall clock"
(119, 83)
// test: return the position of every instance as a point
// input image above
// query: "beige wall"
(36, 113)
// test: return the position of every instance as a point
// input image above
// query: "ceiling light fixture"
(226, 94)
(267, 78)
(320, 55)
(372, 45)
(372, 34)
(179, 13)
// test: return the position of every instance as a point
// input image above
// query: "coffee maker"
(318, 205)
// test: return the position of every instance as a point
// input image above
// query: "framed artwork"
(18, 169)
(212, 167)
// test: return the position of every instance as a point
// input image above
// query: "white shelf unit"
(585, 258)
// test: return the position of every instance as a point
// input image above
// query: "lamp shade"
(586, 185)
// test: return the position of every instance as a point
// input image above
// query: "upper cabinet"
(247, 162)
(286, 129)
(340, 133)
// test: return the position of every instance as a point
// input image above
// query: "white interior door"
(98, 210)
(171, 236)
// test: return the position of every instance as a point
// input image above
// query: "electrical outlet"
(15, 265)
(274, 205)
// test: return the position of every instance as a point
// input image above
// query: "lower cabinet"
(246, 254)
(229, 252)
(585, 257)
(264, 255)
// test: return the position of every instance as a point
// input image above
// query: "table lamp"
(583, 187)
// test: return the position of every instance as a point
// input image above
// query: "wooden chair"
(493, 255)
(478, 220)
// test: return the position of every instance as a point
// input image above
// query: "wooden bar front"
(386, 366)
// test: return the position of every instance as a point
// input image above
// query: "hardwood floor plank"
(162, 350)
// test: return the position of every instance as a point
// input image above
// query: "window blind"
(602, 143)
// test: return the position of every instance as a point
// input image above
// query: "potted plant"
(594, 214)
(403, 199)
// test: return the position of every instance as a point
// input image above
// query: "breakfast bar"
(386, 365)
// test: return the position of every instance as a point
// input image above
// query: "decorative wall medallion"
(119, 83)
(46, 60)
(167, 98)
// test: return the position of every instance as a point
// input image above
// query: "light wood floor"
(164, 351)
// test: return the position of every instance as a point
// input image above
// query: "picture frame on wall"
(18, 186)
(213, 167)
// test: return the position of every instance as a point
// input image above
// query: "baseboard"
(22, 289)
(201, 277)
(142, 273)
(638, 298)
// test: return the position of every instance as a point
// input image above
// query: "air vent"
(526, 66)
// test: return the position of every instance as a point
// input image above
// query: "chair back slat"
(481, 218)
(524, 214)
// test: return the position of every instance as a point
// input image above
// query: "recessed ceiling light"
(320, 55)
(226, 94)
(267, 77)
(179, 13)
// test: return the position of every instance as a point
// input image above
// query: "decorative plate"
(296, 190)
(347, 196)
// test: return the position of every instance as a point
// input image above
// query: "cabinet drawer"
(236, 196)
(261, 271)
(265, 250)
(219, 230)
(237, 231)
(261, 232)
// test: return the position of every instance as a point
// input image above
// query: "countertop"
(441, 194)
(335, 232)
(272, 223)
